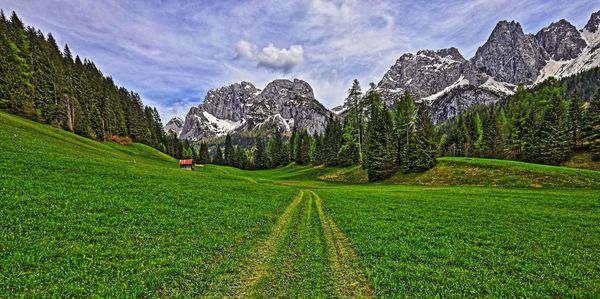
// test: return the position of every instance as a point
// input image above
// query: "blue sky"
(173, 52)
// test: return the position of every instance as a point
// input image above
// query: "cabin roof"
(185, 162)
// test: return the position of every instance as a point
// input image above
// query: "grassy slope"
(472, 241)
(81, 217)
(448, 172)
(469, 227)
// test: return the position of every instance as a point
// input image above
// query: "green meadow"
(82, 218)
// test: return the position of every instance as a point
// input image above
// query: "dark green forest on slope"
(43, 83)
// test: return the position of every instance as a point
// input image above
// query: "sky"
(173, 52)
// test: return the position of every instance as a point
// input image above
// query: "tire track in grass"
(256, 267)
(297, 264)
(349, 281)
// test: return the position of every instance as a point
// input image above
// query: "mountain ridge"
(442, 78)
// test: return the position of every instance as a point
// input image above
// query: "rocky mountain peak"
(423, 74)
(594, 22)
(561, 40)
(175, 124)
(282, 104)
(509, 55)
(229, 102)
(283, 90)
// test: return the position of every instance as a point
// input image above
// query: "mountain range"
(443, 78)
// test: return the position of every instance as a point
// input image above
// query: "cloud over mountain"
(271, 57)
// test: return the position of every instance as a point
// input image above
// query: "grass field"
(84, 218)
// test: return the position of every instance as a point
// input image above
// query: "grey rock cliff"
(175, 125)
(561, 40)
(423, 74)
(283, 104)
(509, 55)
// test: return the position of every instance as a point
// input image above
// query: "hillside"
(449, 171)
(83, 218)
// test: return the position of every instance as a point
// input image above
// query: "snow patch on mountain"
(501, 87)
(222, 126)
(460, 82)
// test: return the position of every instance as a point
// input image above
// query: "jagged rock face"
(561, 40)
(175, 125)
(423, 74)
(594, 23)
(509, 55)
(283, 104)
(460, 99)
(230, 102)
(293, 101)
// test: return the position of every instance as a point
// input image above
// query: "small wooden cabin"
(186, 164)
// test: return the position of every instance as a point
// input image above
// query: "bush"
(123, 140)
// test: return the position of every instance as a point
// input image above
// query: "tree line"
(45, 84)
(543, 125)
(381, 139)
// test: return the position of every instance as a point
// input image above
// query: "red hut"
(186, 164)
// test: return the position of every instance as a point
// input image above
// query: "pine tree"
(492, 135)
(349, 152)
(260, 155)
(218, 158)
(379, 159)
(331, 141)
(576, 120)
(304, 153)
(554, 138)
(404, 126)
(477, 130)
(355, 117)
(592, 126)
(423, 151)
(318, 152)
(277, 153)
(292, 146)
(229, 151)
(203, 156)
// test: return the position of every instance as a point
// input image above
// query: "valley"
(86, 218)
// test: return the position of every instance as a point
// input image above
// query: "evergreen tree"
(349, 152)
(423, 151)
(576, 120)
(592, 126)
(277, 153)
(354, 119)
(292, 146)
(204, 156)
(260, 155)
(477, 130)
(318, 152)
(553, 135)
(379, 159)
(218, 158)
(331, 141)
(303, 154)
(492, 135)
(404, 126)
(229, 151)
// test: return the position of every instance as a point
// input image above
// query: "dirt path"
(349, 279)
(306, 255)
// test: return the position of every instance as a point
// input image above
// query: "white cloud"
(246, 49)
(272, 57)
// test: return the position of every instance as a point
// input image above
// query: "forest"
(544, 125)
(40, 82)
